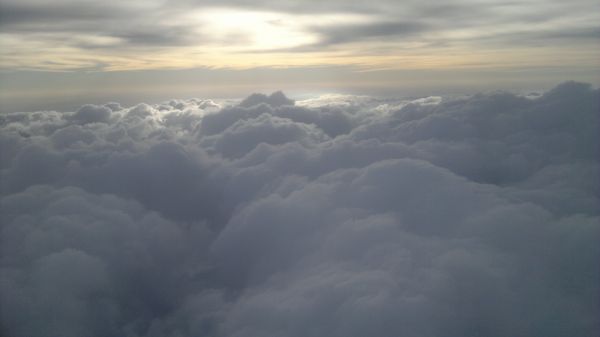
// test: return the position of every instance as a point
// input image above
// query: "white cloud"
(338, 216)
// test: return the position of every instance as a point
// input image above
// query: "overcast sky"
(322, 45)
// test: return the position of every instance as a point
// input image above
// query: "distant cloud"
(276, 99)
(338, 216)
(90, 113)
(356, 33)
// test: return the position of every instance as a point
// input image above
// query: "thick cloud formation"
(339, 216)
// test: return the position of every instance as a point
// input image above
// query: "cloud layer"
(84, 35)
(337, 216)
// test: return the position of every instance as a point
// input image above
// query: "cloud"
(355, 33)
(336, 216)
(81, 263)
(276, 99)
(90, 113)
(119, 36)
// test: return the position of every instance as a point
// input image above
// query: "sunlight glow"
(254, 31)
(244, 30)
(239, 38)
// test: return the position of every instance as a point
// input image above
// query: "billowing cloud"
(335, 216)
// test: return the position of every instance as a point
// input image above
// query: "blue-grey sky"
(66, 49)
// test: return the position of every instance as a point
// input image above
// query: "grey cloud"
(19, 14)
(545, 37)
(143, 25)
(348, 265)
(276, 99)
(150, 36)
(345, 216)
(69, 136)
(357, 32)
(63, 20)
(90, 261)
(92, 114)
(307, 6)
(242, 137)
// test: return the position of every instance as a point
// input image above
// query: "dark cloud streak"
(356, 33)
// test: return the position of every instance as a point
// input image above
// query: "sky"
(68, 51)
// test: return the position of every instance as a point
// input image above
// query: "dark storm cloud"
(338, 216)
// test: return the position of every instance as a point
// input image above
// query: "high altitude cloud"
(117, 36)
(342, 216)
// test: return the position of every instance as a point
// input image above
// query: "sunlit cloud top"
(115, 35)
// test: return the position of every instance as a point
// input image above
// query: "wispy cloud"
(184, 34)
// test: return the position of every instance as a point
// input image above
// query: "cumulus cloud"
(337, 216)
(90, 113)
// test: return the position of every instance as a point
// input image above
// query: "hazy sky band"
(58, 54)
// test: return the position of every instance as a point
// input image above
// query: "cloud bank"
(337, 216)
